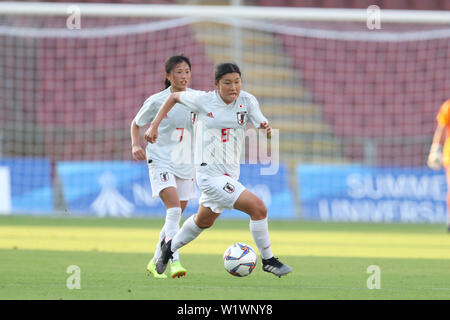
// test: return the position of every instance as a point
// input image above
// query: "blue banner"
(108, 188)
(273, 190)
(30, 185)
(118, 188)
(369, 194)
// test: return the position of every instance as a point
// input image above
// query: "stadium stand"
(72, 83)
(374, 88)
(285, 104)
(362, 4)
(99, 92)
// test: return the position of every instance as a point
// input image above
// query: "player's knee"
(203, 222)
(260, 211)
(206, 225)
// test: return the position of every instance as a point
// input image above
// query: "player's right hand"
(151, 134)
(138, 153)
(265, 125)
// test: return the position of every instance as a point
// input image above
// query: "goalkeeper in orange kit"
(439, 157)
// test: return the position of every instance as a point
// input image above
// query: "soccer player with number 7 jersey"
(171, 178)
(222, 115)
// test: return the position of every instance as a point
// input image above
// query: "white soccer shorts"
(218, 193)
(161, 178)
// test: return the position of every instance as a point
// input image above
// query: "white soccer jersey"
(221, 130)
(173, 148)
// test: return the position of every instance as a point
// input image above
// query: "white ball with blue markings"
(240, 259)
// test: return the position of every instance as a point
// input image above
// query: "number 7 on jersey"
(181, 134)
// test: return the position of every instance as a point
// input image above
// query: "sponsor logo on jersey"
(193, 117)
(242, 117)
(229, 188)
(210, 115)
(164, 176)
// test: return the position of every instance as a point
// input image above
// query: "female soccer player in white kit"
(171, 180)
(222, 116)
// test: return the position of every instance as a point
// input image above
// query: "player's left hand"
(138, 153)
(151, 134)
(265, 125)
(434, 160)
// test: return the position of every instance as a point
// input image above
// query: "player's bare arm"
(438, 135)
(136, 148)
(152, 132)
(434, 160)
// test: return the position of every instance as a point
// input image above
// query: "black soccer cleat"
(166, 255)
(273, 265)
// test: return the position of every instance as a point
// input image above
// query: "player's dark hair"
(225, 68)
(171, 63)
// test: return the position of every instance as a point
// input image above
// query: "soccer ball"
(240, 259)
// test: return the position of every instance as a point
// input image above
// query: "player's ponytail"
(166, 83)
(171, 63)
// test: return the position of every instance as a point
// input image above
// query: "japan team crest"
(242, 117)
(229, 188)
(164, 176)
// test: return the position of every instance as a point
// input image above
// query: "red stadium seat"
(396, 4)
(445, 4)
(280, 3)
(427, 5)
(306, 3)
(336, 4)
(363, 4)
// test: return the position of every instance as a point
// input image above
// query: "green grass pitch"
(329, 260)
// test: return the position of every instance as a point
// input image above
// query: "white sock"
(172, 225)
(260, 232)
(162, 235)
(188, 232)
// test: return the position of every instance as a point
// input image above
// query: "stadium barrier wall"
(5, 190)
(30, 189)
(120, 188)
(352, 193)
(371, 194)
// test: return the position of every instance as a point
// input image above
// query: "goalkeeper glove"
(435, 157)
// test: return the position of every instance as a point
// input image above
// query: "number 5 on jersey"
(225, 134)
